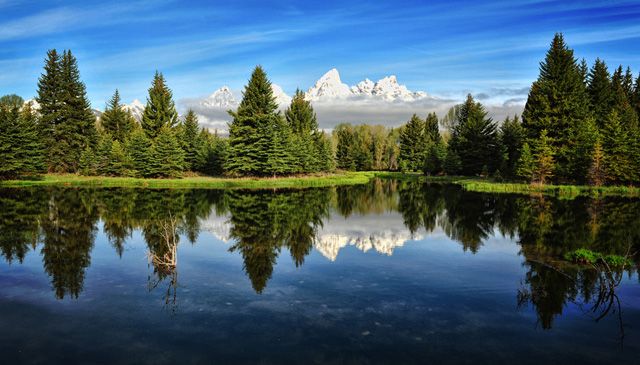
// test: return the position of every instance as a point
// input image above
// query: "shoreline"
(473, 184)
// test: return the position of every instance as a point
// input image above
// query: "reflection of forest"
(63, 223)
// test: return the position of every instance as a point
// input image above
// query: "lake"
(388, 272)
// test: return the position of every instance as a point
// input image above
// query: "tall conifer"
(160, 110)
(116, 121)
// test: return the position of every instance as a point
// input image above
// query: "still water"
(389, 272)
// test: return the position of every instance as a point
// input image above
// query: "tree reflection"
(63, 222)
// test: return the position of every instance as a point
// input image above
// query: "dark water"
(388, 272)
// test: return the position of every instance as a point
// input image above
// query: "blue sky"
(445, 48)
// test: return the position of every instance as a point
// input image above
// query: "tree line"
(579, 125)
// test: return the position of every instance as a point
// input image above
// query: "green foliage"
(191, 140)
(67, 119)
(116, 121)
(160, 110)
(600, 91)
(586, 256)
(165, 155)
(366, 147)
(88, 163)
(526, 164)
(474, 139)
(21, 150)
(597, 175)
(138, 149)
(557, 102)
(617, 150)
(412, 144)
(435, 158)
(511, 139)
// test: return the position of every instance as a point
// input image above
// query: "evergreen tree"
(558, 100)
(526, 164)
(281, 160)
(212, 154)
(412, 144)
(544, 160)
(50, 99)
(166, 155)
(474, 139)
(103, 155)
(346, 141)
(617, 150)
(138, 149)
(304, 125)
(636, 96)
(511, 137)
(584, 134)
(160, 110)
(597, 175)
(21, 151)
(324, 152)
(253, 129)
(431, 129)
(87, 165)
(622, 100)
(190, 138)
(435, 158)
(116, 121)
(119, 163)
(600, 91)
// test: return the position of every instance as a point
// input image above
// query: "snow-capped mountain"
(136, 108)
(329, 86)
(222, 98)
(281, 97)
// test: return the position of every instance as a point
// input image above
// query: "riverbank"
(201, 182)
(320, 180)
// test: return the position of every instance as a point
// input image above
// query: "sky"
(488, 48)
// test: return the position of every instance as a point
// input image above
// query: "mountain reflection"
(62, 224)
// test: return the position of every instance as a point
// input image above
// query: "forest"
(579, 126)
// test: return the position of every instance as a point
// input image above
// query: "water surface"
(389, 272)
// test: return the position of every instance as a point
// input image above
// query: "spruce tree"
(116, 121)
(160, 110)
(474, 139)
(21, 150)
(544, 159)
(166, 156)
(412, 144)
(280, 160)
(190, 140)
(622, 101)
(87, 165)
(252, 130)
(304, 126)
(557, 102)
(431, 129)
(597, 176)
(103, 155)
(50, 99)
(324, 152)
(344, 147)
(74, 128)
(526, 164)
(138, 149)
(636, 96)
(617, 150)
(600, 91)
(511, 137)
(119, 163)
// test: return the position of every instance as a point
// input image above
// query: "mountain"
(330, 87)
(222, 98)
(136, 108)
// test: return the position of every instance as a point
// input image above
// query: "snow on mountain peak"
(221, 98)
(329, 86)
(281, 97)
(136, 108)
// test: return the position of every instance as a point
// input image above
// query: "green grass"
(585, 256)
(318, 180)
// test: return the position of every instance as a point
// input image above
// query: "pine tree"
(474, 139)
(617, 150)
(190, 138)
(304, 126)
(21, 151)
(281, 160)
(50, 99)
(558, 100)
(251, 132)
(636, 96)
(160, 110)
(76, 126)
(103, 155)
(212, 154)
(584, 135)
(597, 176)
(435, 158)
(166, 155)
(600, 91)
(119, 163)
(138, 149)
(116, 121)
(431, 129)
(511, 137)
(544, 160)
(412, 144)
(526, 164)
(87, 165)
(622, 100)
(344, 147)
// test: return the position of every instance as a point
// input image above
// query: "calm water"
(388, 272)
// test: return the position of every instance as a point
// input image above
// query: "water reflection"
(62, 224)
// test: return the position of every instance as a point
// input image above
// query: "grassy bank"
(319, 180)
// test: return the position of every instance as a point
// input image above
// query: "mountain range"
(328, 88)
